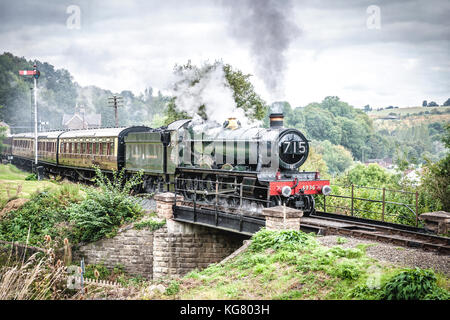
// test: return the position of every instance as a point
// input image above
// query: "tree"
(447, 103)
(433, 104)
(337, 158)
(424, 103)
(372, 175)
(367, 108)
(435, 182)
(2, 136)
(315, 162)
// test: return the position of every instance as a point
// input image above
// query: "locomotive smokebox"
(276, 120)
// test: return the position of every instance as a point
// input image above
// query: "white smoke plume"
(207, 87)
(268, 27)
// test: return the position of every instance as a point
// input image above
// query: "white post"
(35, 124)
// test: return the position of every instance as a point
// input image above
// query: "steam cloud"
(268, 27)
(211, 90)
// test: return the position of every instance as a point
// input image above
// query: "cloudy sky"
(381, 53)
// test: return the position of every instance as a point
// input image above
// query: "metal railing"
(225, 196)
(234, 197)
(355, 207)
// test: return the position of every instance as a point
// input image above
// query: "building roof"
(93, 119)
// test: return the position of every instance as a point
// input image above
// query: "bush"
(106, 208)
(411, 284)
(43, 215)
(31, 177)
(173, 288)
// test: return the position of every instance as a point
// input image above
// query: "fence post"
(352, 200)
(217, 201)
(240, 197)
(384, 198)
(417, 208)
(324, 203)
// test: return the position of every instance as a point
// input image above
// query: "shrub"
(101, 213)
(173, 288)
(43, 215)
(410, 284)
(106, 208)
(31, 177)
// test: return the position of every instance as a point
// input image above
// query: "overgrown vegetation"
(45, 214)
(76, 212)
(293, 265)
(40, 277)
(105, 209)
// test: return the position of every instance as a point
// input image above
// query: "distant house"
(413, 175)
(385, 163)
(390, 117)
(81, 120)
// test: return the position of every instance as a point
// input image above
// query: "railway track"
(402, 235)
(323, 223)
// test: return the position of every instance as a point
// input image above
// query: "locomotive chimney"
(276, 120)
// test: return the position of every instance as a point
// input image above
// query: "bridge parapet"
(437, 222)
(165, 202)
(282, 218)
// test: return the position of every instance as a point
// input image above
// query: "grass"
(14, 185)
(291, 265)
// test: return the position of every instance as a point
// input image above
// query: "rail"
(388, 209)
(226, 196)
(236, 197)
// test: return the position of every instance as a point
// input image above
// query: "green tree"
(435, 182)
(372, 175)
(337, 158)
(2, 136)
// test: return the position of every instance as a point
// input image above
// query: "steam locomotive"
(200, 160)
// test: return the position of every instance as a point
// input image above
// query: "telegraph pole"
(116, 102)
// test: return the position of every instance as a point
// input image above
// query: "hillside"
(292, 265)
(374, 114)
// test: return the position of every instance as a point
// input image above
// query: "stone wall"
(177, 252)
(173, 250)
(131, 248)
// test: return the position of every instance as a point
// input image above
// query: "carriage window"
(94, 148)
(83, 147)
(108, 149)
